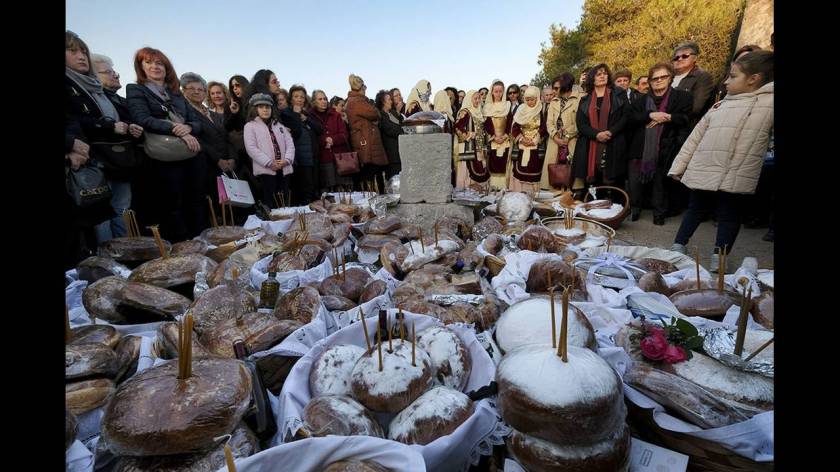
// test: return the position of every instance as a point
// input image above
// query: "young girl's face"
(264, 111)
(739, 82)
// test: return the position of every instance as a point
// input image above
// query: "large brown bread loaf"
(220, 304)
(300, 304)
(155, 413)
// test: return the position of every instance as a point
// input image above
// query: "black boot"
(635, 213)
(659, 220)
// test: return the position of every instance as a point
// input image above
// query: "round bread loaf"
(156, 413)
(535, 454)
(436, 413)
(574, 403)
(331, 373)
(654, 282)
(450, 359)
(398, 384)
(341, 416)
(529, 322)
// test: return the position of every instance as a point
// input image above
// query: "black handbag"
(87, 185)
(116, 157)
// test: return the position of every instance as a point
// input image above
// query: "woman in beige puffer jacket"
(722, 157)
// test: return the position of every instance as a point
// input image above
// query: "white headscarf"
(442, 104)
(421, 93)
(467, 106)
(496, 109)
(525, 114)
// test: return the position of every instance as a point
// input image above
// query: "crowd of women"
(164, 145)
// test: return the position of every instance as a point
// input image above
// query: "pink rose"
(655, 331)
(674, 354)
(654, 347)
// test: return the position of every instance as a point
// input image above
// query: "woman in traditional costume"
(497, 128)
(418, 99)
(528, 130)
(469, 129)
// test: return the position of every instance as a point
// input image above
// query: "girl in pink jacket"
(270, 146)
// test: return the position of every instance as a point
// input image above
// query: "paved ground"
(749, 243)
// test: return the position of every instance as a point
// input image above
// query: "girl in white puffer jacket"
(721, 159)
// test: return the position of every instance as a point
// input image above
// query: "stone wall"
(426, 168)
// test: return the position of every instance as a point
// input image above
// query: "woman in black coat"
(600, 153)
(390, 127)
(661, 120)
(102, 121)
(179, 206)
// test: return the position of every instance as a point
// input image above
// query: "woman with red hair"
(156, 104)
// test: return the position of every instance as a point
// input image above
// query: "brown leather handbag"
(346, 163)
(560, 174)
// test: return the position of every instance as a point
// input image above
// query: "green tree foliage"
(567, 52)
(636, 34)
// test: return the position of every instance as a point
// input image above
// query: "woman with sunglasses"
(600, 154)
(660, 120)
(497, 118)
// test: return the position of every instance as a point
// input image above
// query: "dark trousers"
(761, 203)
(727, 208)
(180, 206)
(271, 185)
(304, 185)
(393, 169)
(656, 187)
(371, 172)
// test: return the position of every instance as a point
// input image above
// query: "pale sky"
(389, 44)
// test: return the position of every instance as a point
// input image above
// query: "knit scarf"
(93, 87)
(599, 122)
(650, 154)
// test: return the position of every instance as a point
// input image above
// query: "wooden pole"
(364, 328)
(763, 347)
(562, 348)
(379, 347)
(413, 342)
(553, 327)
(742, 322)
(697, 264)
(159, 241)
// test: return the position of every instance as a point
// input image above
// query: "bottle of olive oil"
(269, 290)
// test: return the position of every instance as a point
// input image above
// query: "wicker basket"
(703, 455)
(590, 226)
(616, 220)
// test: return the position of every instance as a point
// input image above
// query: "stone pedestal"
(426, 214)
(426, 168)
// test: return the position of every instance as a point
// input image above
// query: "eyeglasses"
(513, 93)
(195, 89)
(657, 79)
(681, 56)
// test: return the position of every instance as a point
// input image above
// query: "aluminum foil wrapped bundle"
(393, 185)
(719, 343)
(451, 299)
(610, 270)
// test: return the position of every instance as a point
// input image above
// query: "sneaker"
(677, 247)
(769, 236)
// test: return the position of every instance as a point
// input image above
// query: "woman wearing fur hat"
(363, 118)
